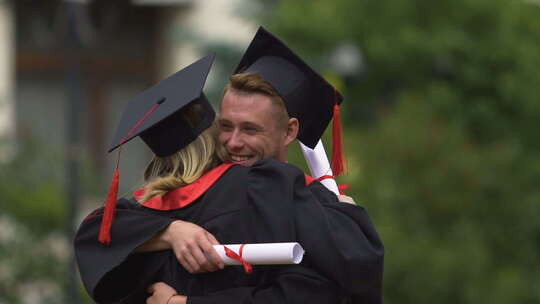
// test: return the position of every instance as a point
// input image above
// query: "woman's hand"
(164, 294)
(192, 246)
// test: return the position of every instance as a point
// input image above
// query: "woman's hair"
(185, 166)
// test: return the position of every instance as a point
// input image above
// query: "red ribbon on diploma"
(341, 188)
(238, 257)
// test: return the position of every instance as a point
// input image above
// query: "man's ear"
(293, 126)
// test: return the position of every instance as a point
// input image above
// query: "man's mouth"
(239, 158)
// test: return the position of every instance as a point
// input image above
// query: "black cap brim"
(152, 112)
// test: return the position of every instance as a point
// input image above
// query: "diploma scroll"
(319, 165)
(264, 253)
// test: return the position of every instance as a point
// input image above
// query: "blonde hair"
(253, 83)
(185, 166)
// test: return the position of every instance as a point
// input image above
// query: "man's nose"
(235, 141)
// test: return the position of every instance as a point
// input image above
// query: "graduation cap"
(159, 117)
(307, 96)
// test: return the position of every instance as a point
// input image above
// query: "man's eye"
(225, 127)
(251, 130)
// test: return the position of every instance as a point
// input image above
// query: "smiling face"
(250, 128)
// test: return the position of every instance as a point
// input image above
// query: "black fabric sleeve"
(128, 282)
(287, 284)
(339, 239)
(132, 227)
(356, 243)
(271, 193)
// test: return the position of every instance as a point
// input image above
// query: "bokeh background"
(441, 118)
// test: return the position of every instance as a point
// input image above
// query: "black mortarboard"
(157, 116)
(307, 96)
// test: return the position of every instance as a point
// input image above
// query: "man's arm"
(287, 284)
(339, 238)
(131, 232)
(349, 232)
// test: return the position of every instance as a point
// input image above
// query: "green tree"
(441, 137)
(34, 250)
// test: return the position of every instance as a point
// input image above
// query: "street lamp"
(347, 60)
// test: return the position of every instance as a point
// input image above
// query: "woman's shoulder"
(274, 172)
(261, 170)
(264, 164)
(276, 165)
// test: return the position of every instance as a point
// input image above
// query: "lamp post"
(73, 145)
(7, 81)
(347, 60)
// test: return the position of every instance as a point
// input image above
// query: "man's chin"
(247, 162)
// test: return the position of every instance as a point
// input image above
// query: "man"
(274, 99)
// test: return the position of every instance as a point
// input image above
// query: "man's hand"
(346, 199)
(192, 246)
(164, 294)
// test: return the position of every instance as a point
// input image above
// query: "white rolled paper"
(264, 253)
(319, 165)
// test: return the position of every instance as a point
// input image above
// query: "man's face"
(249, 130)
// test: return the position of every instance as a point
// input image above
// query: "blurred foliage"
(34, 250)
(32, 187)
(226, 60)
(31, 190)
(458, 219)
(441, 137)
(32, 266)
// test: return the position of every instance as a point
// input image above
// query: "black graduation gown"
(268, 202)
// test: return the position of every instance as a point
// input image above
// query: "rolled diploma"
(319, 165)
(264, 253)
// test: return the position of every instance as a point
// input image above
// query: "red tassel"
(110, 204)
(342, 188)
(339, 165)
(110, 208)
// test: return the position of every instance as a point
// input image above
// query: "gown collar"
(184, 196)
